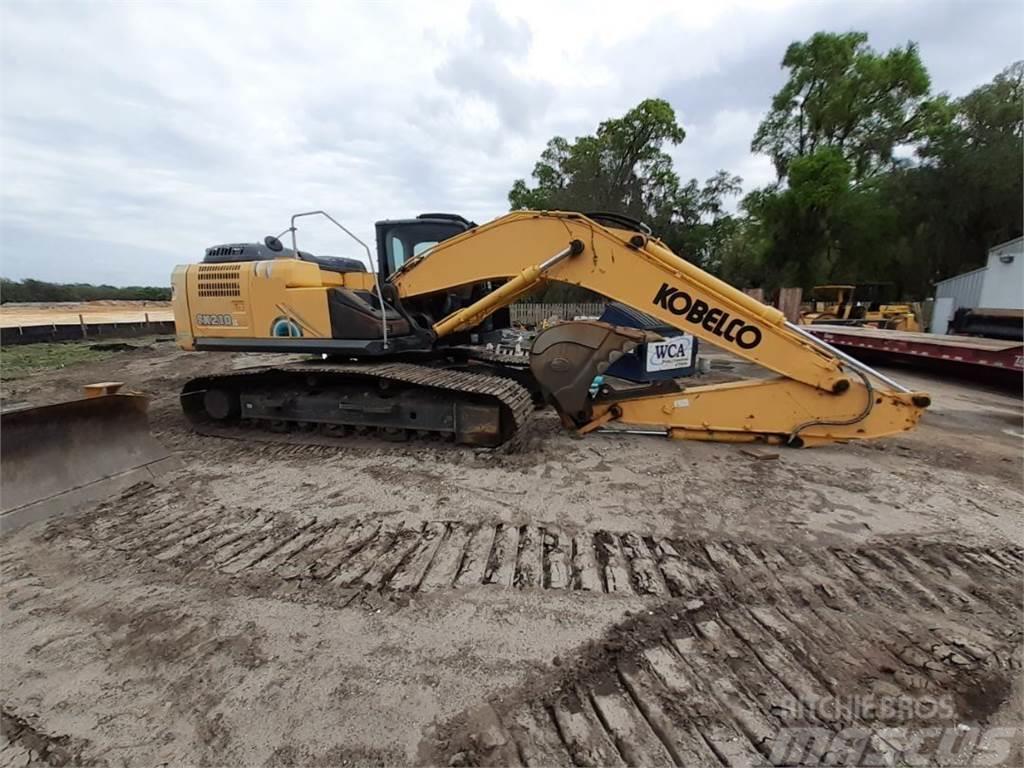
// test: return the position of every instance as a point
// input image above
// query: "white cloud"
(716, 142)
(132, 135)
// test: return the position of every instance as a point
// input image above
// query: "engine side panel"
(256, 300)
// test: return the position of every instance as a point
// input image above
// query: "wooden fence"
(534, 314)
(531, 315)
(787, 301)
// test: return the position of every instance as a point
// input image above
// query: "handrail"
(369, 257)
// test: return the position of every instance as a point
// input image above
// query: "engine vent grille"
(219, 280)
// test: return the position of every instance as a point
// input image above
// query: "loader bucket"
(56, 458)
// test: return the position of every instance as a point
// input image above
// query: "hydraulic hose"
(794, 435)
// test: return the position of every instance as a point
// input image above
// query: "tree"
(878, 180)
(832, 133)
(741, 256)
(29, 290)
(842, 94)
(799, 221)
(696, 224)
(625, 169)
(919, 221)
(971, 181)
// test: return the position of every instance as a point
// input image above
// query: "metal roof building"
(997, 285)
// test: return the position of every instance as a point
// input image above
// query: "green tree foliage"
(37, 290)
(798, 222)
(741, 255)
(624, 168)
(879, 181)
(697, 223)
(843, 95)
(966, 193)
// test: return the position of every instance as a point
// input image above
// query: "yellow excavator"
(407, 349)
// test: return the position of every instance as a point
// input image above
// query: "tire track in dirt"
(150, 527)
(695, 683)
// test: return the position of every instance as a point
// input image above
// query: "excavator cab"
(399, 240)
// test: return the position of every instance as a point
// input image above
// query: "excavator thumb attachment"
(56, 457)
(567, 357)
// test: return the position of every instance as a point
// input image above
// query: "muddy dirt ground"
(609, 600)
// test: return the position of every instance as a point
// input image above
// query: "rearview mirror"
(273, 243)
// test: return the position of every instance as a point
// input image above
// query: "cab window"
(403, 242)
(396, 252)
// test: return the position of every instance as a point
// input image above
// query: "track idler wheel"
(221, 404)
(565, 359)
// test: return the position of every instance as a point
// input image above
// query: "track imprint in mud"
(692, 684)
(733, 648)
(24, 744)
(146, 527)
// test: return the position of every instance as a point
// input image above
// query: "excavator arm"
(820, 395)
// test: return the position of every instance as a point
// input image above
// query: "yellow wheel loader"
(401, 350)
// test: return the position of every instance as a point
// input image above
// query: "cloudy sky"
(134, 134)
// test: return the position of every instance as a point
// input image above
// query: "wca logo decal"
(672, 351)
(717, 321)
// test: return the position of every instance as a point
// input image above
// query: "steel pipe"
(852, 361)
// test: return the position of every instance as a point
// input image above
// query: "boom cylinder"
(499, 297)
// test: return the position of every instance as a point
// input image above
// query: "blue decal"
(284, 326)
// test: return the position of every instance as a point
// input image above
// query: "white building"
(1003, 284)
(997, 285)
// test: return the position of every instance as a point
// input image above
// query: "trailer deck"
(904, 346)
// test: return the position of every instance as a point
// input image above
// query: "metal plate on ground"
(55, 458)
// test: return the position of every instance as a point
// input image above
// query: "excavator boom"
(821, 395)
(630, 267)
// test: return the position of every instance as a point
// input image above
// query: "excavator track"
(316, 403)
(504, 364)
(503, 359)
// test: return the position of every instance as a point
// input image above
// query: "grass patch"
(31, 358)
(24, 359)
